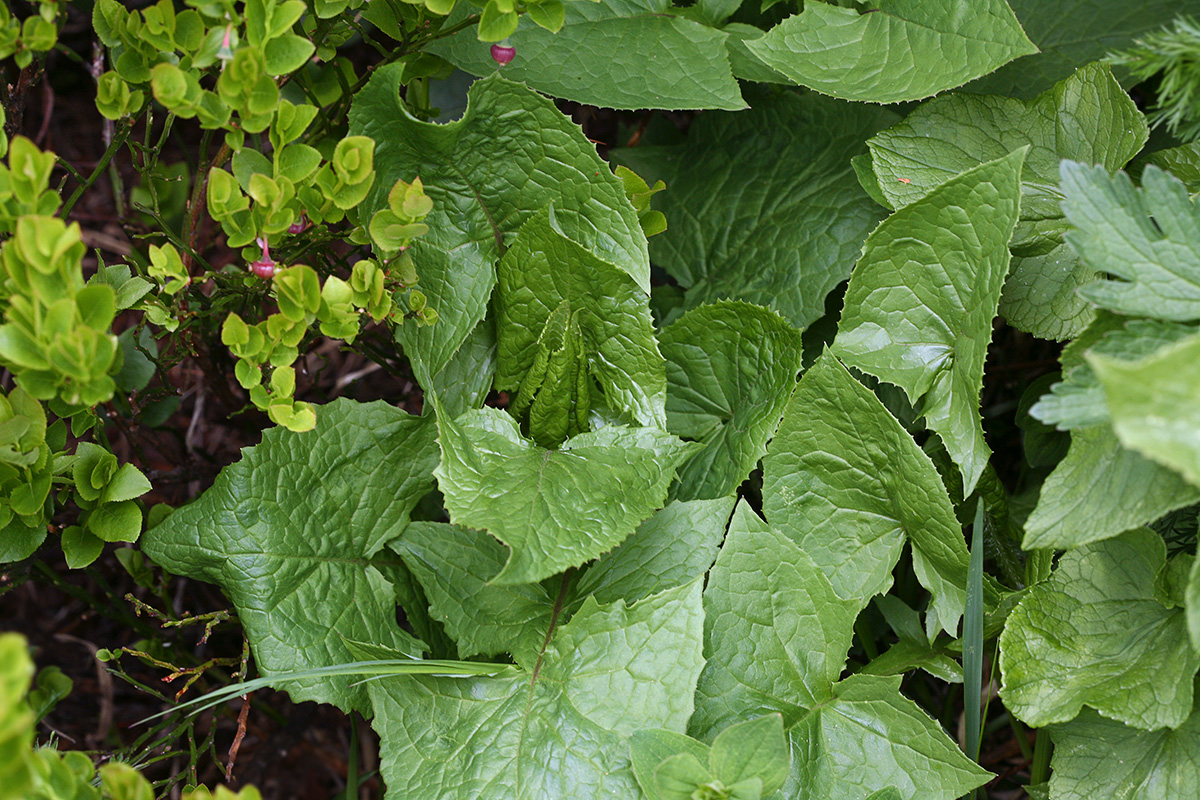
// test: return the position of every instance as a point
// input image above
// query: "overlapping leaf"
(763, 205)
(673, 547)
(1086, 117)
(1147, 238)
(776, 634)
(455, 566)
(1096, 757)
(1094, 634)
(848, 484)
(553, 508)
(294, 534)
(896, 51)
(510, 155)
(731, 368)
(1100, 490)
(559, 730)
(919, 308)
(1071, 33)
(1155, 404)
(1078, 401)
(617, 54)
(544, 269)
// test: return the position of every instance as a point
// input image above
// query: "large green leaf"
(1094, 634)
(543, 270)
(776, 636)
(559, 730)
(1071, 33)
(455, 566)
(1096, 757)
(919, 308)
(673, 547)
(730, 370)
(1100, 490)
(554, 508)
(776, 630)
(1078, 401)
(1086, 117)
(457, 283)
(848, 484)
(896, 51)
(619, 54)
(1147, 238)
(294, 534)
(512, 154)
(1155, 404)
(763, 205)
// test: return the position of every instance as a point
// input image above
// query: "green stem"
(1021, 733)
(352, 760)
(866, 637)
(1039, 770)
(119, 138)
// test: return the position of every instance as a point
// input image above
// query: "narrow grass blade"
(973, 638)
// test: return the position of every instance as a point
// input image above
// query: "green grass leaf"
(896, 51)
(294, 533)
(919, 308)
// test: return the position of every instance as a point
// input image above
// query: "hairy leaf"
(849, 485)
(294, 534)
(1078, 400)
(1094, 634)
(731, 368)
(896, 51)
(559, 730)
(1155, 403)
(1101, 490)
(739, 226)
(919, 308)
(618, 54)
(554, 508)
(1147, 238)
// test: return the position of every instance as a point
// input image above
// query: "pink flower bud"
(263, 267)
(300, 225)
(502, 53)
